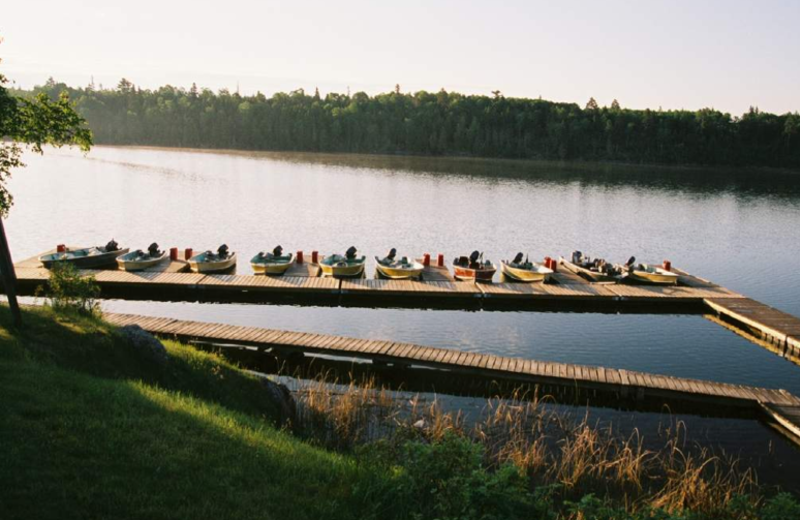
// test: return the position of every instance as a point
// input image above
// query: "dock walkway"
(624, 382)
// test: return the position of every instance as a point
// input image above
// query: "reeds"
(552, 447)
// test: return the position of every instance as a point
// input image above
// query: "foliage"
(68, 290)
(425, 123)
(37, 121)
(448, 480)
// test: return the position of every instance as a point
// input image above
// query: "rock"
(279, 394)
(145, 343)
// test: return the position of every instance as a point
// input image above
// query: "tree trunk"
(9, 277)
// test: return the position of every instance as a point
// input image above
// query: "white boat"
(347, 266)
(648, 273)
(273, 263)
(208, 262)
(139, 260)
(594, 270)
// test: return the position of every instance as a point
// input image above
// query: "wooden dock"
(776, 330)
(437, 289)
(778, 404)
(774, 327)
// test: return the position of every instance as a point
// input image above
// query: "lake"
(739, 229)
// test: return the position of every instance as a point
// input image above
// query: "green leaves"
(37, 122)
(40, 121)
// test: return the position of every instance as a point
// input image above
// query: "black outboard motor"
(473, 258)
(630, 262)
(112, 245)
(222, 251)
(278, 251)
(392, 254)
(153, 250)
(518, 258)
(350, 254)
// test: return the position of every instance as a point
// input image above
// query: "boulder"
(145, 343)
(279, 394)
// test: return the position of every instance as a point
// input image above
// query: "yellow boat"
(525, 271)
(347, 266)
(648, 273)
(403, 269)
(274, 263)
(208, 262)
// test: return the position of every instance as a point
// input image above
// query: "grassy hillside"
(90, 429)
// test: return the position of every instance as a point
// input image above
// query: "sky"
(724, 54)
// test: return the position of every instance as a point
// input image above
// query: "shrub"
(69, 291)
(447, 480)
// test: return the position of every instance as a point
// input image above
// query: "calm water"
(739, 229)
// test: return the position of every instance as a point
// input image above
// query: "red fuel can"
(188, 253)
(173, 253)
(299, 257)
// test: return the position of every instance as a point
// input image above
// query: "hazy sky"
(726, 54)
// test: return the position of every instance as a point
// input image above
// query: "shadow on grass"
(83, 447)
(93, 347)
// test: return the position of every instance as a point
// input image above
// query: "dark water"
(739, 229)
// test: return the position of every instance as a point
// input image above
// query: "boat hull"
(104, 259)
(399, 273)
(592, 276)
(271, 268)
(350, 270)
(198, 265)
(541, 274)
(466, 274)
(139, 265)
(659, 277)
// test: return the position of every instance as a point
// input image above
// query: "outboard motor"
(153, 250)
(112, 245)
(473, 258)
(392, 254)
(350, 254)
(577, 257)
(278, 251)
(630, 262)
(222, 251)
(518, 258)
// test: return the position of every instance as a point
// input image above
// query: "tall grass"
(553, 448)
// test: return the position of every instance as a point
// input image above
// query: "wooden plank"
(409, 352)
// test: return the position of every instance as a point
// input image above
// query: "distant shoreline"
(575, 165)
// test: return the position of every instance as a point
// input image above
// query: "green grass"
(92, 428)
(89, 429)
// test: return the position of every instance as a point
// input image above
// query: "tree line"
(424, 123)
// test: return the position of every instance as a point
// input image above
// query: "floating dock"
(774, 329)
(779, 405)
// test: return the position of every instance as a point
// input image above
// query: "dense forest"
(442, 123)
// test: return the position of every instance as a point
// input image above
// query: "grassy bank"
(91, 427)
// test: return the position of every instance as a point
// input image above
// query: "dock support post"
(9, 277)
